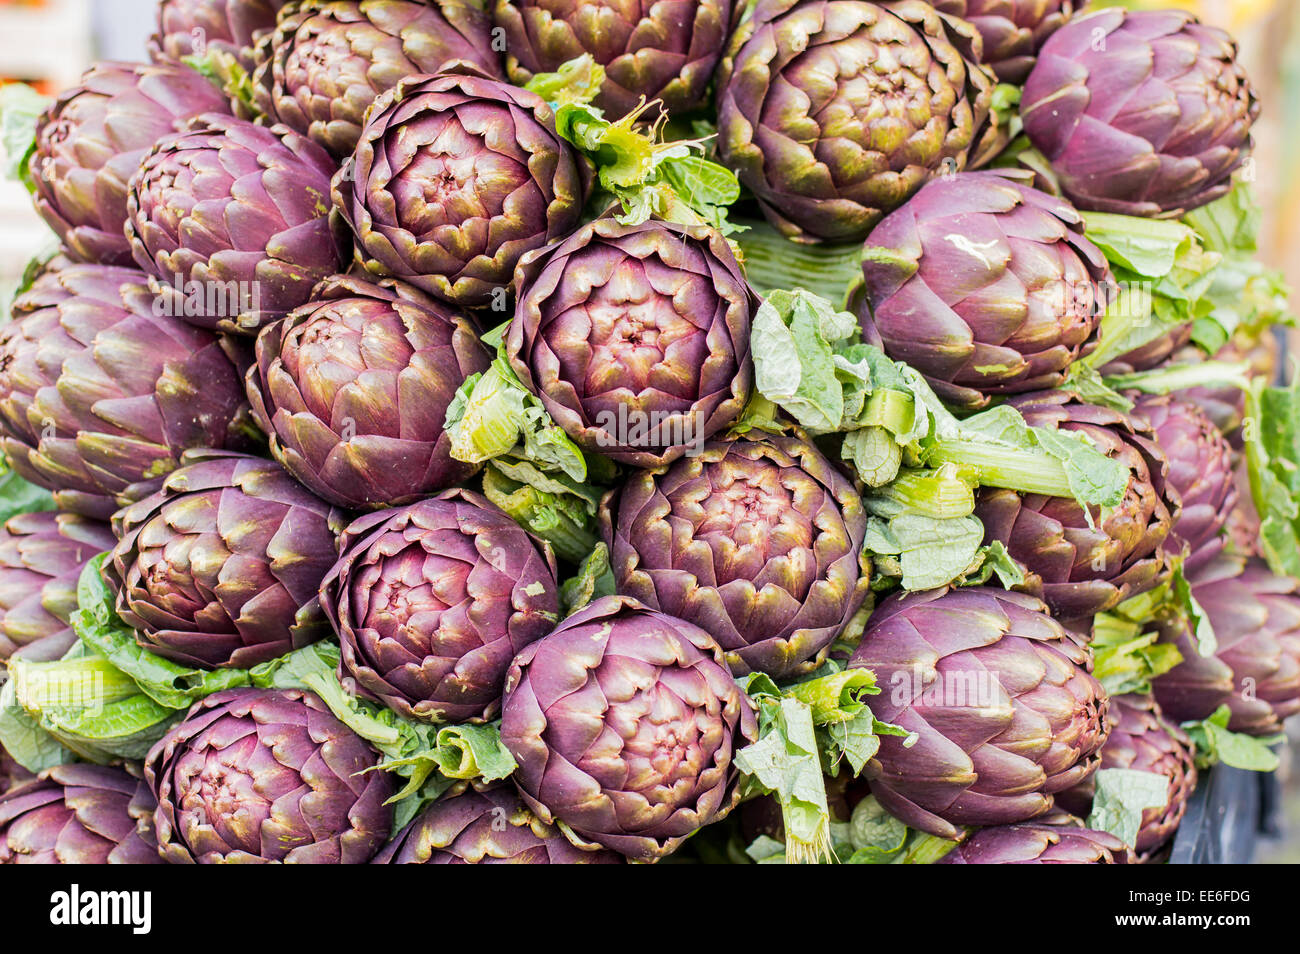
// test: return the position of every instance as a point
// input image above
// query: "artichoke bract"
(983, 284)
(490, 827)
(41, 557)
(220, 568)
(1255, 670)
(353, 389)
(197, 27)
(650, 49)
(625, 723)
(431, 602)
(11, 773)
(757, 543)
(834, 112)
(267, 776)
(78, 815)
(635, 337)
(326, 61)
(1143, 740)
(90, 142)
(100, 393)
(1040, 844)
(454, 178)
(233, 220)
(1079, 568)
(1140, 113)
(1200, 472)
(1012, 30)
(1002, 700)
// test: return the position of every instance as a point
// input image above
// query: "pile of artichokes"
(418, 450)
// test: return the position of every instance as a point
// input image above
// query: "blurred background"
(48, 43)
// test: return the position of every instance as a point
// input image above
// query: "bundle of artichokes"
(451, 432)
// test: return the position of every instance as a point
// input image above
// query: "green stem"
(995, 465)
(934, 493)
(1179, 377)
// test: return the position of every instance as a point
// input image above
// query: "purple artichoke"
(1052, 843)
(264, 776)
(1143, 740)
(454, 178)
(1256, 668)
(196, 27)
(431, 602)
(41, 558)
(1012, 30)
(78, 815)
(624, 723)
(220, 568)
(650, 49)
(100, 393)
(636, 338)
(93, 138)
(1001, 697)
(489, 827)
(327, 61)
(833, 113)
(353, 388)
(759, 544)
(984, 285)
(1200, 472)
(1077, 569)
(233, 219)
(1141, 113)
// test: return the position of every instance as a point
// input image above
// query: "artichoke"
(1200, 472)
(1140, 113)
(833, 113)
(220, 568)
(353, 388)
(1079, 568)
(454, 178)
(1001, 697)
(1055, 843)
(1141, 739)
(649, 49)
(233, 219)
(78, 815)
(327, 60)
(92, 139)
(197, 27)
(265, 776)
(431, 602)
(1255, 670)
(100, 394)
(41, 558)
(984, 285)
(624, 723)
(635, 337)
(759, 544)
(489, 827)
(1012, 30)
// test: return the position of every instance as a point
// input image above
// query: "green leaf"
(1122, 795)
(1216, 744)
(18, 496)
(785, 762)
(20, 110)
(552, 506)
(593, 580)
(22, 736)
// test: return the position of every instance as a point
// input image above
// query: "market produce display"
(546, 432)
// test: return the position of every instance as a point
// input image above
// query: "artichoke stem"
(993, 465)
(934, 493)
